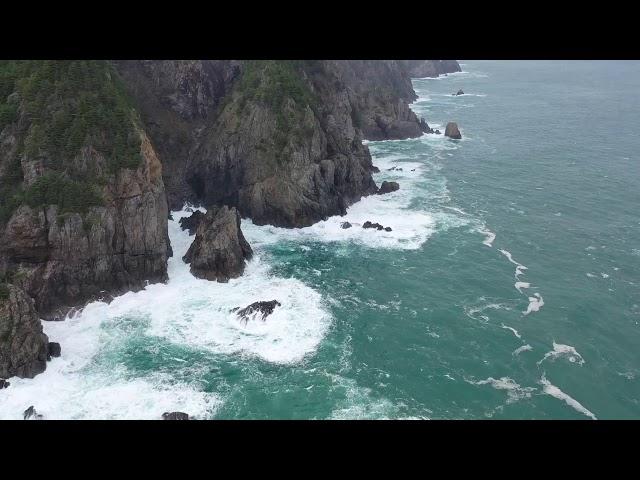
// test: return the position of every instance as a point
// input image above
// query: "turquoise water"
(424, 321)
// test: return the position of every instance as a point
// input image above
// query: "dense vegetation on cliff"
(56, 108)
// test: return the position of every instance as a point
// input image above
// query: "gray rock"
(219, 250)
(388, 187)
(175, 416)
(452, 131)
(259, 309)
(4, 383)
(54, 350)
(191, 222)
(459, 92)
(345, 225)
(31, 414)
(23, 345)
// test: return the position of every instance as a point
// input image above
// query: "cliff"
(83, 204)
(279, 140)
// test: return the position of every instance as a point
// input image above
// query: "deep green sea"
(508, 288)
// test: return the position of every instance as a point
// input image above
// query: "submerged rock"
(219, 250)
(460, 92)
(191, 222)
(388, 187)
(23, 345)
(260, 309)
(31, 413)
(345, 225)
(452, 131)
(175, 416)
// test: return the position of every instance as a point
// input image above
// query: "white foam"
(507, 254)
(488, 241)
(515, 332)
(566, 351)
(520, 285)
(185, 311)
(555, 392)
(535, 303)
(519, 350)
(519, 270)
(410, 228)
(514, 391)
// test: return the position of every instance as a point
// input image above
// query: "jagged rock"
(375, 169)
(459, 92)
(452, 131)
(345, 225)
(175, 416)
(31, 413)
(368, 224)
(23, 345)
(387, 229)
(4, 383)
(437, 132)
(54, 349)
(259, 309)
(219, 250)
(388, 187)
(191, 222)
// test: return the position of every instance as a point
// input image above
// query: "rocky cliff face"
(88, 220)
(279, 140)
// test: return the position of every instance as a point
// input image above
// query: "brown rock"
(452, 131)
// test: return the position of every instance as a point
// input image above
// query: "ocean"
(508, 288)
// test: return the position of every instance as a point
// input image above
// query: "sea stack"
(219, 250)
(452, 131)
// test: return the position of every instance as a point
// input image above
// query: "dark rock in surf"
(438, 132)
(375, 169)
(387, 229)
(54, 350)
(388, 187)
(345, 225)
(460, 92)
(31, 413)
(191, 222)
(452, 131)
(219, 250)
(175, 416)
(260, 309)
(4, 383)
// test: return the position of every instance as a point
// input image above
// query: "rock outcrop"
(452, 131)
(431, 68)
(191, 222)
(175, 416)
(459, 92)
(376, 226)
(388, 187)
(219, 250)
(32, 414)
(23, 345)
(257, 310)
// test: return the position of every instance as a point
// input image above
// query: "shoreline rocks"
(452, 131)
(219, 250)
(31, 413)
